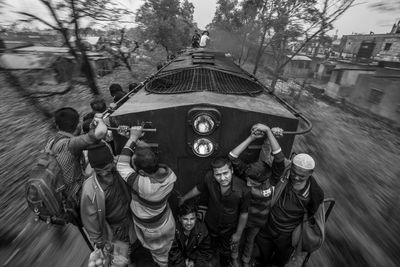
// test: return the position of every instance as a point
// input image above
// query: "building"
(372, 47)
(33, 69)
(323, 70)
(344, 77)
(298, 67)
(378, 94)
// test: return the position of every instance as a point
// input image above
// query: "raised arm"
(238, 165)
(97, 132)
(191, 194)
(276, 148)
(124, 160)
(278, 164)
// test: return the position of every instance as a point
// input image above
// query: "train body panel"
(234, 101)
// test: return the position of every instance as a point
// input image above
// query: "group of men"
(200, 41)
(125, 198)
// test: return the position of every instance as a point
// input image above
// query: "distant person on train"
(98, 106)
(151, 183)
(116, 92)
(228, 202)
(192, 244)
(132, 87)
(105, 201)
(296, 195)
(67, 145)
(196, 39)
(258, 175)
(205, 39)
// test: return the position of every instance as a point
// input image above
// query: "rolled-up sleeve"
(124, 167)
(79, 143)
(239, 167)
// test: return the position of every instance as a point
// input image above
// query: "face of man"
(299, 175)
(188, 221)
(223, 175)
(105, 170)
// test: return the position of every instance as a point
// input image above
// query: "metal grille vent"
(202, 79)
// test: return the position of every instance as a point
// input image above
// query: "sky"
(359, 19)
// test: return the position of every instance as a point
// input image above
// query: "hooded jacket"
(93, 212)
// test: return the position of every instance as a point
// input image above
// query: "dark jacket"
(198, 248)
(316, 192)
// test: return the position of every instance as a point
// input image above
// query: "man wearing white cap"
(297, 193)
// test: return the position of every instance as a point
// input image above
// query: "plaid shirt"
(68, 149)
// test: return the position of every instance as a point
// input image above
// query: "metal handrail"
(287, 105)
(110, 110)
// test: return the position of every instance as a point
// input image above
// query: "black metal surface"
(202, 79)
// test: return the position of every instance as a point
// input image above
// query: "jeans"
(274, 243)
(249, 236)
(221, 242)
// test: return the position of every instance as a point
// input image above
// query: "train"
(199, 106)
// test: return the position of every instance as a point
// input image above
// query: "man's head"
(222, 170)
(206, 33)
(98, 105)
(257, 173)
(302, 168)
(132, 86)
(100, 155)
(114, 88)
(119, 95)
(196, 31)
(86, 123)
(187, 216)
(66, 119)
(145, 160)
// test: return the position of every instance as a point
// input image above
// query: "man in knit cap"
(105, 201)
(297, 194)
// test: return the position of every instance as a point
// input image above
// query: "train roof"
(204, 70)
(143, 101)
(203, 77)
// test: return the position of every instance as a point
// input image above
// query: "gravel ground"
(357, 164)
(24, 132)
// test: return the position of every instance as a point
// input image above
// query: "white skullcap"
(304, 161)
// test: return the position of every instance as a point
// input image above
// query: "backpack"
(45, 189)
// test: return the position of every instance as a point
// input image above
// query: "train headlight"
(203, 124)
(203, 147)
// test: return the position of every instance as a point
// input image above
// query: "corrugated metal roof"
(300, 57)
(25, 61)
(44, 49)
(93, 40)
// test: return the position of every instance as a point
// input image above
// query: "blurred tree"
(387, 5)
(121, 49)
(173, 25)
(300, 21)
(67, 17)
(257, 25)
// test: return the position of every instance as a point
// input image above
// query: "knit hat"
(258, 171)
(304, 161)
(100, 155)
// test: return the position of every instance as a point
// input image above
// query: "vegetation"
(67, 19)
(174, 24)
(270, 25)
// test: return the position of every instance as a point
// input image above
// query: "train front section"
(202, 105)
